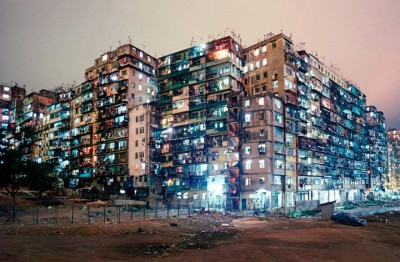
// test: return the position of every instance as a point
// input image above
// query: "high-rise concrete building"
(394, 160)
(377, 150)
(200, 90)
(11, 98)
(119, 80)
(216, 125)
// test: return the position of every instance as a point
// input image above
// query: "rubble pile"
(387, 217)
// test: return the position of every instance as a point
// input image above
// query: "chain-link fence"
(83, 212)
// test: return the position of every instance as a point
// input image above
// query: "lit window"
(264, 49)
(140, 76)
(140, 87)
(141, 54)
(247, 181)
(277, 103)
(6, 95)
(143, 165)
(246, 103)
(248, 164)
(247, 150)
(104, 57)
(277, 180)
(257, 64)
(256, 52)
(261, 101)
(262, 180)
(251, 66)
(264, 61)
(275, 84)
(245, 69)
(247, 118)
(261, 148)
(262, 163)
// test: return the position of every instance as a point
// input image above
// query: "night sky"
(44, 43)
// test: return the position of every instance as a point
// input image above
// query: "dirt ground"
(208, 237)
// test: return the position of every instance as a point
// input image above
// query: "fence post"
(119, 214)
(156, 209)
(88, 216)
(168, 207)
(104, 213)
(73, 207)
(56, 215)
(179, 207)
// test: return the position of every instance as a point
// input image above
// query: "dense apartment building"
(217, 125)
(377, 149)
(119, 81)
(11, 98)
(200, 90)
(394, 160)
(34, 109)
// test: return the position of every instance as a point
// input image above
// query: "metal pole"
(168, 206)
(179, 207)
(104, 213)
(73, 206)
(88, 214)
(156, 210)
(131, 212)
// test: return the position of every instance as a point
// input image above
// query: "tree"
(40, 176)
(12, 176)
(17, 171)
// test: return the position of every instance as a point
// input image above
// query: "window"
(274, 44)
(288, 84)
(262, 163)
(278, 132)
(137, 143)
(261, 101)
(247, 181)
(246, 103)
(261, 115)
(143, 141)
(288, 70)
(277, 103)
(136, 155)
(264, 62)
(141, 130)
(265, 74)
(141, 118)
(137, 130)
(247, 150)
(262, 132)
(275, 84)
(140, 87)
(247, 118)
(261, 148)
(248, 164)
(278, 118)
(277, 180)
(256, 52)
(262, 180)
(264, 49)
